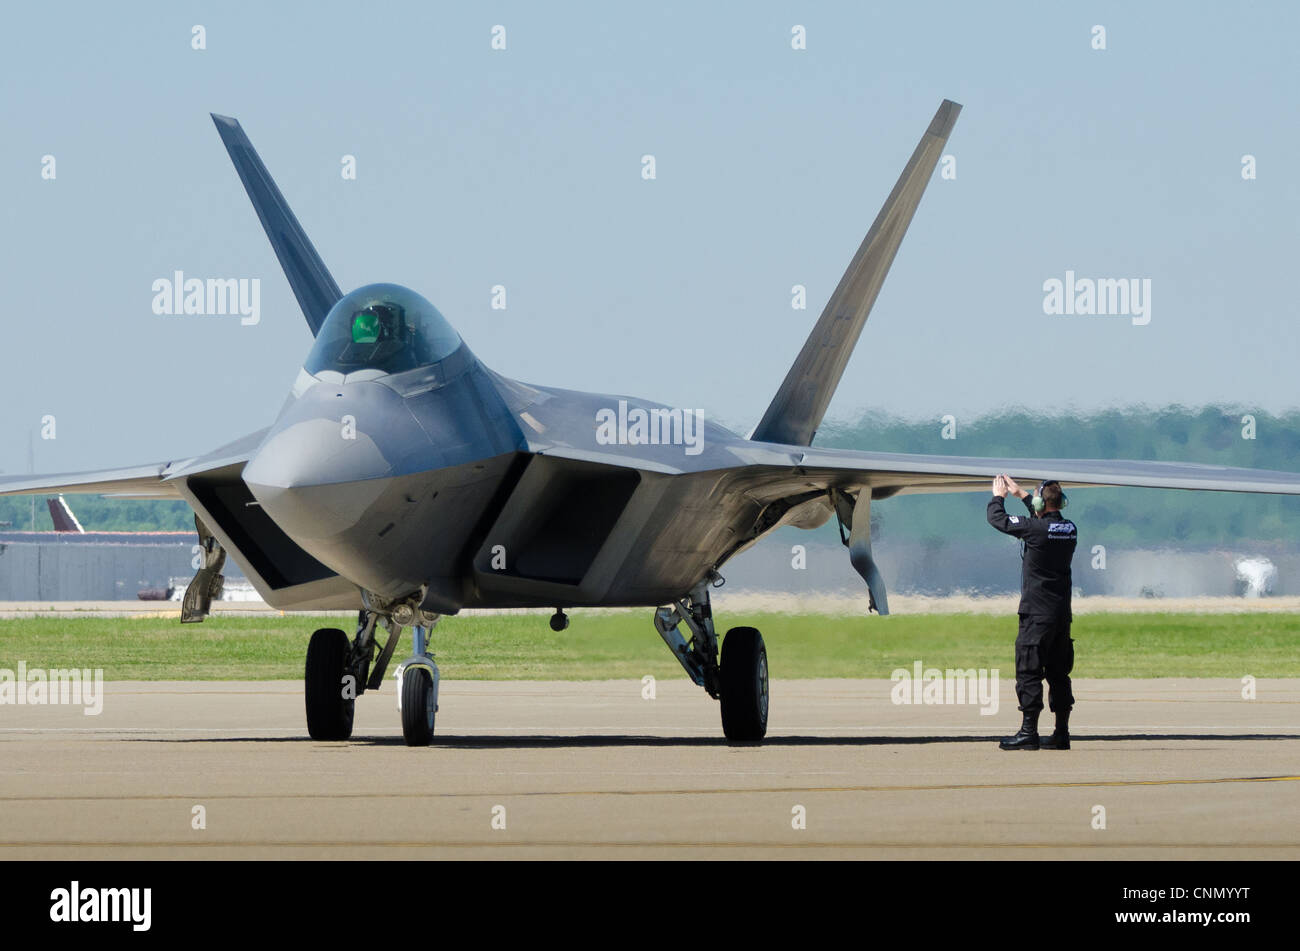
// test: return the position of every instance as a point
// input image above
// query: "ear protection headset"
(1037, 501)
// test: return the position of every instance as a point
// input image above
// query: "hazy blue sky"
(522, 167)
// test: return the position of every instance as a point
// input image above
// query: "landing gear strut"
(739, 681)
(208, 582)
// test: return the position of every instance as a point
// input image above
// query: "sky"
(522, 167)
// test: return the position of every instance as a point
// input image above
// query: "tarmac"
(817, 602)
(1163, 769)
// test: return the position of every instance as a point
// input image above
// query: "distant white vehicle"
(1258, 574)
(232, 590)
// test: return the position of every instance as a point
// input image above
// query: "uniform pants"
(1044, 649)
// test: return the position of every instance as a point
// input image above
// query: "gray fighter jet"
(406, 480)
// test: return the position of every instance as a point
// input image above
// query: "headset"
(1037, 501)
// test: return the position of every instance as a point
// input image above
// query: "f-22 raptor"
(406, 480)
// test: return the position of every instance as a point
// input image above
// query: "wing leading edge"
(898, 473)
(135, 482)
(154, 481)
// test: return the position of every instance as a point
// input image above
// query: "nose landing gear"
(339, 670)
(417, 690)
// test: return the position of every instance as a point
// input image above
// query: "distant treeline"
(98, 514)
(1213, 434)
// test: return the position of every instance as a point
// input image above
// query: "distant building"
(98, 566)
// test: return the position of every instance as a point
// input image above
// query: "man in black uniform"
(1044, 647)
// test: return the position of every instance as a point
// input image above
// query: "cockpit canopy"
(383, 327)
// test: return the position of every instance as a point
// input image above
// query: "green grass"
(624, 645)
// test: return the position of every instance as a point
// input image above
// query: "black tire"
(417, 706)
(329, 715)
(744, 685)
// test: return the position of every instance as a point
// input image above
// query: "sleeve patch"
(1014, 519)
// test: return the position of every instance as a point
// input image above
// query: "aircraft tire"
(329, 715)
(417, 706)
(744, 685)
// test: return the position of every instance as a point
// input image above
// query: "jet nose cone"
(316, 477)
(315, 452)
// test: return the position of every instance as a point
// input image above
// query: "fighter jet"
(406, 480)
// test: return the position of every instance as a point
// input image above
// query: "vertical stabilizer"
(311, 281)
(64, 520)
(800, 403)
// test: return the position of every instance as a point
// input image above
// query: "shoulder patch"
(1014, 519)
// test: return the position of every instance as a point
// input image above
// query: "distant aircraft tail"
(799, 405)
(64, 520)
(311, 281)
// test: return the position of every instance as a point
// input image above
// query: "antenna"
(31, 470)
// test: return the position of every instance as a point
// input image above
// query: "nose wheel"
(417, 690)
(419, 706)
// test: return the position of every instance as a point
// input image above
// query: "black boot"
(1027, 738)
(1060, 738)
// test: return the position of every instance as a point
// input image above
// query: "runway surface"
(1183, 769)
(828, 602)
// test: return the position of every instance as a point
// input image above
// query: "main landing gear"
(338, 671)
(733, 671)
(739, 681)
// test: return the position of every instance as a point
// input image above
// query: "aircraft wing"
(784, 489)
(888, 473)
(154, 481)
(136, 482)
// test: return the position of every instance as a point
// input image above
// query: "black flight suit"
(1044, 647)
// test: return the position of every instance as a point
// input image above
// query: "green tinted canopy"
(382, 327)
(365, 327)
